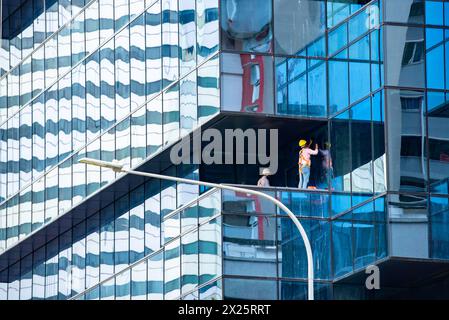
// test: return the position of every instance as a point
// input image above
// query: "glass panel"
(170, 116)
(406, 140)
(79, 258)
(242, 34)
(188, 104)
(249, 245)
(342, 246)
(362, 171)
(210, 248)
(245, 289)
(107, 290)
(213, 291)
(121, 233)
(246, 83)
(107, 243)
(439, 242)
(434, 12)
(404, 60)
(93, 250)
(137, 62)
(297, 290)
(341, 156)
(208, 90)
(51, 270)
(155, 277)
(292, 254)
(172, 270)
(137, 224)
(305, 17)
(26, 277)
(154, 125)
(338, 83)
(170, 49)
(438, 142)
(152, 216)
(65, 266)
(207, 28)
(404, 11)
(139, 281)
(187, 36)
(39, 274)
(189, 262)
(153, 49)
(123, 285)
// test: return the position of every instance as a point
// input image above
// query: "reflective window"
(405, 12)
(437, 115)
(172, 270)
(404, 60)
(249, 289)
(155, 277)
(435, 58)
(406, 140)
(307, 18)
(292, 254)
(246, 83)
(249, 247)
(189, 261)
(210, 259)
(242, 34)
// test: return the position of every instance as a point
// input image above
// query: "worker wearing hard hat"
(263, 181)
(304, 162)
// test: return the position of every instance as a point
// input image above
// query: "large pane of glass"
(406, 140)
(246, 83)
(362, 171)
(404, 11)
(189, 261)
(292, 254)
(208, 90)
(340, 151)
(93, 250)
(187, 35)
(246, 289)
(437, 113)
(172, 270)
(342, 246)
(242, 34)
(249, 245)
(139, 281)
(152, 216)
(155, 277)
(51, 270)
(435, 58)
(207, 28)
(137, 224)
(210, 249)
(121, 233)
(170, 49)
(404, 59)
(306, 18)
(107, 242)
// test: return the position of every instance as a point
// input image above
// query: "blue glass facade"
(127, 79)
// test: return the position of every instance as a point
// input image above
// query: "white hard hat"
(266, 172)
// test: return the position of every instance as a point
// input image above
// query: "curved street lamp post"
(118, 167)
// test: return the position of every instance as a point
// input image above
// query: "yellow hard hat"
(302, 143)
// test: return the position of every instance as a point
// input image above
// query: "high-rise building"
(129, 80)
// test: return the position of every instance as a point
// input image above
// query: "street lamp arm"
(116, 166)
(310, 272)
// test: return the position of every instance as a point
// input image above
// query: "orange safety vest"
(303, 162)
